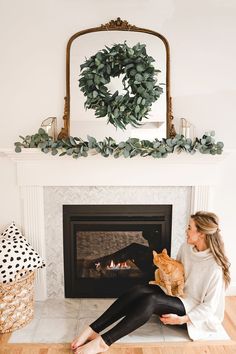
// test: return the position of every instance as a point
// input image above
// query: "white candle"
(187, 132)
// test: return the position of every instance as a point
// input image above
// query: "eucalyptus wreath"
(139, 83)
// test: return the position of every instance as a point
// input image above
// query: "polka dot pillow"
(16, 255)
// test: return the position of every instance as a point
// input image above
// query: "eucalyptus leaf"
(137, 109)
(162, 149)
(169, 142)
(139, 100)
(156, 154)
(72, 141)
(140, 68)
(17, 148)
(156, 144)
(69, 151)
(164, 155)
(32, 144)
(41, 131)
(208, 139)
(169, 148)
(220, 144)
(121, 145)
(62, 153)
(126, 153)
(54, 152)
(42, 145)
(134, 153)
(177, 137)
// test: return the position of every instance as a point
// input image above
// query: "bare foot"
(87, 335)
(94, 347)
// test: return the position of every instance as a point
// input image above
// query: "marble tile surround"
(70, 316)
(60, 320)
(55, 197)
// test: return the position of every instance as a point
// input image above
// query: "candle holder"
(186, 128)
(50, 126)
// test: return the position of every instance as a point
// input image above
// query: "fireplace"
(108, 248)
(41, 196)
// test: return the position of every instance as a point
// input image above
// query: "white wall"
(201, 34)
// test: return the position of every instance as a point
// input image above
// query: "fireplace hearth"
(108, 248)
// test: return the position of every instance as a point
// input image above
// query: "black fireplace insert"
(108, 248)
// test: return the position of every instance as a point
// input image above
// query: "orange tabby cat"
(170, 273)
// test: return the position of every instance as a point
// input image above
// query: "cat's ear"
(164, 251)
(154, 253)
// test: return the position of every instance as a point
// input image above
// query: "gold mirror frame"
(117, 25)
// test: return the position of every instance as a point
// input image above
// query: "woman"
(201, 311)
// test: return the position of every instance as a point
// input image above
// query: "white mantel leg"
(201, 198)
(32, 220)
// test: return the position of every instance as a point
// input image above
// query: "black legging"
(136, 306)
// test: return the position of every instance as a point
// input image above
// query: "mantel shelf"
(174, 158)
(34, 168)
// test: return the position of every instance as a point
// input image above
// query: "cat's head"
(160, 259)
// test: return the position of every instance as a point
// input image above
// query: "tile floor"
(59, 321)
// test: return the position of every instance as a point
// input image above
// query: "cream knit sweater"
(204, 292)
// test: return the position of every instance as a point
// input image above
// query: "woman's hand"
(172, 319)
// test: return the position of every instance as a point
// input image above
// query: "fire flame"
(97, 265)
(120, 265)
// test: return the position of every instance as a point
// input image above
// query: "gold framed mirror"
(84, 44)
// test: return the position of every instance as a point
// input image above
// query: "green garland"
(76, 147)
(139, 83)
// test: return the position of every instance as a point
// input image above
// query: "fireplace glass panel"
(108, 249)
(115, 254)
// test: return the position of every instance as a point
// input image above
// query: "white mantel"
(35, 170)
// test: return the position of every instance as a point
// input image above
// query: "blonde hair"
(208, 223)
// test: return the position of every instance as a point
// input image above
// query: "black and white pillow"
(16, 255)
(11, 231)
